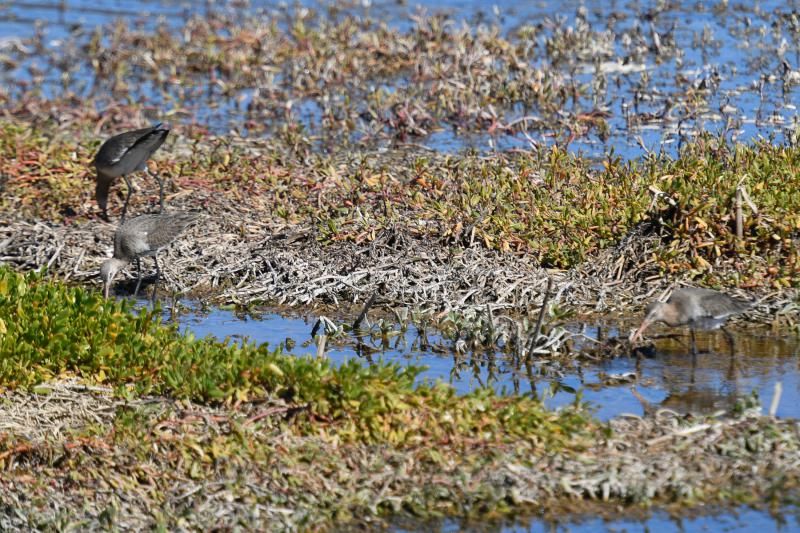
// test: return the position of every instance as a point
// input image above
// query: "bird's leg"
(531, 378)
(732, 343)
(732, 370)
(158, 276)
(731, 340)
(160, 190)
(694, 355)
(138, 277)
(127, 198)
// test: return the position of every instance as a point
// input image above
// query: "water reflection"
(715, 380)
(666, 378)
(735, 520)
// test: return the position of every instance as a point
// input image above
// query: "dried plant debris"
(590, 77)
(253, 437)
(435, 233)
(309, 138)
(96, 461)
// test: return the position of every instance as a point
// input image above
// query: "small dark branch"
(491, 323)
(646, 406)
(538, 328)
(531, 378)
(362, 315)
(545, 301)
(739, 217)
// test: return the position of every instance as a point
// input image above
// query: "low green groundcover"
(50, 330)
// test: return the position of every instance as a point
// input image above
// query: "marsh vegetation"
(503, 190)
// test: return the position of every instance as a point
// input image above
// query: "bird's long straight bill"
(638, 332)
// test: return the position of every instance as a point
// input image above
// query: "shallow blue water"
(741, 520)
(665, 381)
(713, 47)
(666, 375)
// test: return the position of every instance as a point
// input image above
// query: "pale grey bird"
(122, 155)
(694, 307)
(142, 236)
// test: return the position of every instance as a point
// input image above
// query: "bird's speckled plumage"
(707, 304)
(147, 234)
(143, 236)
(694, 307)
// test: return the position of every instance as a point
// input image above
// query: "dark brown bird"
(122, 155)
(697, 308)
(142, 236)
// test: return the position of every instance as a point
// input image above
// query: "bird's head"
(108, 270)
(652, 313)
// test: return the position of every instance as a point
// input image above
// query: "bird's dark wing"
(719, 305)
(145, 140)
(149, 143)
(163, 229)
